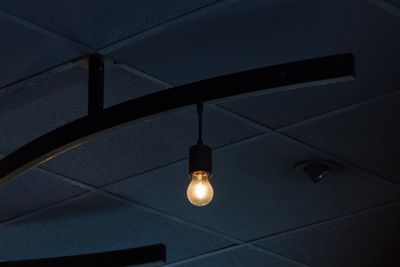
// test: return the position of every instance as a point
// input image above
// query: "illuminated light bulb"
(200, 191)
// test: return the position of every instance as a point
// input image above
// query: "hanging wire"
(200, 118)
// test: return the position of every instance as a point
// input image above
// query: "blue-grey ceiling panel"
(358, 29)
(249, 34)
(120, 86)
(146, 145)
(257, 193)
(367, 239)
(241, 36)
(243, 257)
(94, 224)
(25, 52)
(31, 191)
(281, 109)
(100, 22)
(28, 112)
(367, 136)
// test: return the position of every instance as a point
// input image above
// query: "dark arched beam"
(153, 255)
(258, 81)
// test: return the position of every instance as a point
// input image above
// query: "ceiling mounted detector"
(316, 170)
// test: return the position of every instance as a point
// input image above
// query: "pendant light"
(200, 191)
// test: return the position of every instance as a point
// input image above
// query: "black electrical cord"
(200, 118)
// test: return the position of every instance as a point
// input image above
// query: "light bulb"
(200, 191)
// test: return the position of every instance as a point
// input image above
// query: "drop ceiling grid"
(253, 125)
(376, 152)
(100, 190)
(137, 187)
(289, 132)
(324, 114)
(68, 78)
(240, 256)
(211, 7)
(273, 256)
(83, 49)
(61, 36)
(147, 16)
(276, 114)
(34, 191)
(25, 52)
(135, 205)
(102, 224)
(145, 171)
(148, 145)
(345, 241)
(57, 100)
(282, 130)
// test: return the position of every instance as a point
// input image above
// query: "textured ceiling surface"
(127, 189)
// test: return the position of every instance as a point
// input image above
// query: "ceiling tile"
(257, 192)
(146, 145)
(284, 108)
(358, 29)
(95, 224)
(28, 112)
(31, 191)
(367, 136)
(242, 257)
(250, 34)
(24, 52)
(121, 86)
(241, 36)
(367, 239)
(100, 22)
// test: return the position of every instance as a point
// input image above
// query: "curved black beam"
(153, 255)
(269, 79)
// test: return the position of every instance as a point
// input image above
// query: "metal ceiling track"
(154, 255)
(100, 121)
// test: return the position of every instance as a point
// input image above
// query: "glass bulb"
(200, 191)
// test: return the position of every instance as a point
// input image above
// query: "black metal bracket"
(283, 77)
(95, 85)
(154, 255)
